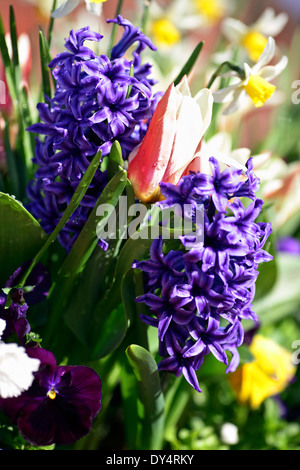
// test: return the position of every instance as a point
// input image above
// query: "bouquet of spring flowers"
(146, 267)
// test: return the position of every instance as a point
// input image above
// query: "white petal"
(234, 29)
(225, 95)
(221, 142)
(2, 326)
(65, 8)
(269, 23)
(204, 99)
(94, 8)
(183, 87)
(16, 370)
(272, 71)
(237, 101)
(266, 56)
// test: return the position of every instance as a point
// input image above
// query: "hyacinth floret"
(97, 100)
(199, 295)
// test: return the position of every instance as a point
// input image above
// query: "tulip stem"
(235, 68)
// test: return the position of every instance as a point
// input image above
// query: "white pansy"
(254, 37)
(255, 85)
(16, 368)
(93, 6)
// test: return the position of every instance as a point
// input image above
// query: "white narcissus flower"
(93, 6)
(220, 146)
(16, 368)
(254, 37)
(255, 84)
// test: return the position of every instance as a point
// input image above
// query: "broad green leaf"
(68, 296)
(21, 236)
(151, 398)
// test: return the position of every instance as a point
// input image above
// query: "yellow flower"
(259, 90)
(254, 37)
(267, 375)
(255, 84)
(254, 42)
(212, 10)
(165, 32)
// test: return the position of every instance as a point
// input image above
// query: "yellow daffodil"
(254, 37)
(267, 375)
(255, 85)
(165, 33)
(212, 10)
(93, 6)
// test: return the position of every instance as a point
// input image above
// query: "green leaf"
(284, 297)
(14, 44)
(44, 65)
(151, 398)
(186, 69)
(115, 159)
(8, 66)
(68, 295)
(21, 236)
(72, 206)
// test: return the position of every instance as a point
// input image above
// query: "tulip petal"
(148, 162)
(193, 119)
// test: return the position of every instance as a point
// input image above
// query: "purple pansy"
(198, 295)
(61, 404)
(14, 304)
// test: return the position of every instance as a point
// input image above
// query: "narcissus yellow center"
(255, 43)
(51, 394)
(259, 90)
(165, 33)
(97, 1)
(213, 10)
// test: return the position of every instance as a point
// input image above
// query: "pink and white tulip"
(174, 134)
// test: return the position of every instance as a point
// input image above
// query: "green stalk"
(114, 28)
(233, 67)
(73, 204)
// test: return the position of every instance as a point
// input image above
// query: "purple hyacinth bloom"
(61, 404)
(199, 294)
(97, 100)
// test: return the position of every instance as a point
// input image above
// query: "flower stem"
(114, 28)
(235, 68)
